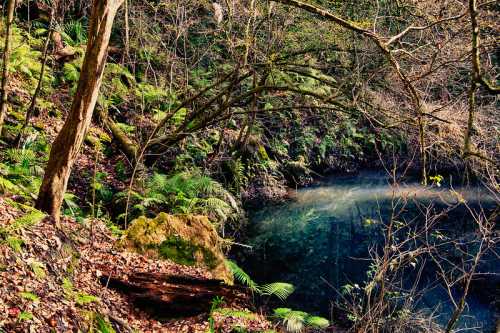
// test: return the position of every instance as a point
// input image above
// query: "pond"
(320, 241)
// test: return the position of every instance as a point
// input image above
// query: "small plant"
(103, 326)
(297, 321)
(16, 244)
(187, 192)
(244, 314)
(75, 33)
(279, 289)
(82, 299)
(38, 269)
(436, 180)
(216, 303)
(25, 316)
(67, 287)
(72, 207)
(29, 296)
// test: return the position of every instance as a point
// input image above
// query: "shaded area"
(166, 296)
(321, 240)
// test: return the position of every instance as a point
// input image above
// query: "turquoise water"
(320, 240)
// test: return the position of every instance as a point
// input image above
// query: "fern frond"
(151, 201)
(294, 321)
(244, 314)
(241, 276)
(71, 72)
(28, 220)
(216, 203)
(279, 289)
(6, 186)
(317, 322)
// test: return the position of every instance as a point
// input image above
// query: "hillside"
(153, 151)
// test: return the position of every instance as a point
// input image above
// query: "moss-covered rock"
(185, 239)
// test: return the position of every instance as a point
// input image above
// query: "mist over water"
(320, 241)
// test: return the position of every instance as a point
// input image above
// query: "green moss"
(16, 244)
(209, 258)
(178, 250)
(185, 253)
(82, 298)
(185, 239)
(243, 314)
(30, 219)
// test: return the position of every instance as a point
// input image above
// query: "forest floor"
(51, 279)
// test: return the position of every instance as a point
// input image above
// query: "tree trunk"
(5, 63)
(474, 77)
(67, 144)
(31, 108)
(129, 148)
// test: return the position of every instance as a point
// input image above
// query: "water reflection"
(320, 240)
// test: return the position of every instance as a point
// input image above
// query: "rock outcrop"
(185, 239)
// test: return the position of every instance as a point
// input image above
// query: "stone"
(189, 240)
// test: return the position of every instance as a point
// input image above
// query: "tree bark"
(11, 6)
(67, 144)
(129, 148)
(172, 295)
(31, 108)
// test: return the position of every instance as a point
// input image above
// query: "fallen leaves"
(53, 283)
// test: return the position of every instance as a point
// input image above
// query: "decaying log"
(129, 148)
(169, 296)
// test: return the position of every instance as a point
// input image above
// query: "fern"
(102, 325)
(244, 314)
(27, 220)
(219, 206)
(238, 172)
(296, 321)
(279, 289)
(82, 299)
(6, 186)
(25, 59)
(153, 97)
(23, 168)
(67, 287)
(74, 33)
(69, 200)
(317, 322)
(241, 276)
(191, 192)
(29, 296)
(25, 316)
(15, 243)
(38, 269)
(21, 156)
(71, 72)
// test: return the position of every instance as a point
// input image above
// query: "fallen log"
(169, 296)
(129, 148)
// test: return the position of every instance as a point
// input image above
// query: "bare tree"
(477, 79)
(31, 108)
(67, 144)
(385, 45)
(11, 6)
